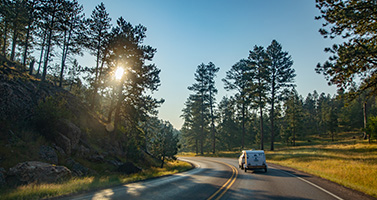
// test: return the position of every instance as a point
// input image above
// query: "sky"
(187, 33)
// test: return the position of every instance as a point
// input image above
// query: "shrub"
(48, 113)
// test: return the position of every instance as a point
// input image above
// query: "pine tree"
(281, 76)
(200, 89)
(238, 78)
(258, 64)
(72, 28)
(355, 58)
(99, 26)
(212, 91)
(52, 16)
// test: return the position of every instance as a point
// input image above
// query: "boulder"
(128, 168)
(77, 168)
(64, 142)
(82, 151)
(71, 131)
(48, 154)
(37, 172)
(97, 158)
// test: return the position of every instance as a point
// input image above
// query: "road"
(220, 178)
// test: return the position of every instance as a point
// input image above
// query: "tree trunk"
(5, 38)
(272, 116)
(365, 136)
(212, 124)
(118, 105)
(63, 59)
(243, 126)
(261, 127)
(40, 58)
(26, 45)
(162, 161)
(45, 64)
(31, 67)
(95, 89)
(14, 42)
(196, 147)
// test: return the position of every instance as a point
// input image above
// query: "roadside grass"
(351, 165)
(76, 185)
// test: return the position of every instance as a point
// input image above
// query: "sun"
(119, 73)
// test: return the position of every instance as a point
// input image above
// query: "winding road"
(220, 178)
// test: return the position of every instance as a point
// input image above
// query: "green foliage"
(199, 113)
(48, 113)
(354, 59)
(372, 127)
(164, 143)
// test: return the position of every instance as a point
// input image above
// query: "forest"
(41, 40)
(46, 37)
(266, 107)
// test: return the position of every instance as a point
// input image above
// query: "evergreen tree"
(259, 62)
(52, 17)
(200, 89)
(228, 126)
(281, 76)
(355, 58)
(293, 118)
(238, 78)
(99, 26)
(165, 142)
(72, 29)
(212, 91)
(127, 51)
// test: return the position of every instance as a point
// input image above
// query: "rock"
(64, 142)
(82, 151)
(77, 168)
(96, 158)
(48, 154)
(59, 149)
(128, 168)
(71, 131)
(2, 176)
(116, 163)
(37, 172)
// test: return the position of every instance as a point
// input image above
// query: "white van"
(252, 159)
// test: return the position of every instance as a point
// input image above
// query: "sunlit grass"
(38, 191)
(351, 165)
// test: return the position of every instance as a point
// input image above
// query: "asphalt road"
(220, 178)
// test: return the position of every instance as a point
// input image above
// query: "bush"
(48, 113)
(372, 127)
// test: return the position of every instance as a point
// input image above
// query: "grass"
(75, 185)
(351, 165)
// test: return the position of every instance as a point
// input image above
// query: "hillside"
(44, 123)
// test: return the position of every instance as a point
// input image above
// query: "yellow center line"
(226, 186)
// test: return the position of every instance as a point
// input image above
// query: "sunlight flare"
(119, 73)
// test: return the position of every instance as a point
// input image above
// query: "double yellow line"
(227, 184)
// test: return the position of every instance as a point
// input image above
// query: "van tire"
(265, 169)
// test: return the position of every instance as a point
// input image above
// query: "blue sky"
(187, 33)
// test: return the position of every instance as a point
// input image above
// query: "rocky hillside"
(45, 128)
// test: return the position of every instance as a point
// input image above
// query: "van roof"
(253, 151)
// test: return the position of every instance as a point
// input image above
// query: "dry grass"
(39, 191)
(351, 165)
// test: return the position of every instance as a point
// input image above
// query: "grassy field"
(75, 185)
(351, 163)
